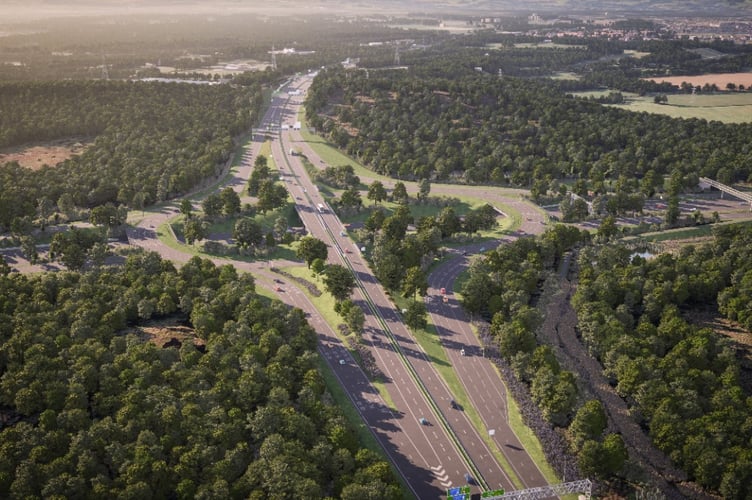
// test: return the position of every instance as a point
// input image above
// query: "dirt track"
(559, 328)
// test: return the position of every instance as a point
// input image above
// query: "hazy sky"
(29, 10)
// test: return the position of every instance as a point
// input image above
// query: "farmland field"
(731, 107)
(720, 79)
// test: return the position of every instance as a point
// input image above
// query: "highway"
(424, 455)
(389, 339)
(431, 457)
(478, 375)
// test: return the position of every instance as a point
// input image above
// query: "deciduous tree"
(310, 249)
(339, 281)
(247, 232)
(376, 192)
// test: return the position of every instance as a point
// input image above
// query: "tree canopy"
(150, 141)
(682, 379)
(310, 249)
(237, 409)
(476, 128)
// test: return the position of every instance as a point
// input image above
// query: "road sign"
(458, 493)
(493, 493)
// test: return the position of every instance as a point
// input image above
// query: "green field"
(547, 45)
(732, 107)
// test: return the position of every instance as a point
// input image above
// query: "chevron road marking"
(441, 475)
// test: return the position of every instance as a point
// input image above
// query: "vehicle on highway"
(462, 352)
(423, 421)
(321, 207)
(453, 404)
(342, 362)
(469, 479)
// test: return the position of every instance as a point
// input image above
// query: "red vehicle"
(443, 291)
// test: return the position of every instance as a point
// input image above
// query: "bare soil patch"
(35, 156)
(167, 333)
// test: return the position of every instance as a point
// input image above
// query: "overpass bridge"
(706, 182)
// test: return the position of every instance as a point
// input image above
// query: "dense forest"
(639, 318)
(482, 129)
(149, 141)
(240, 410)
